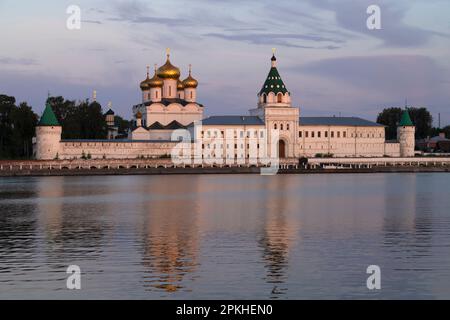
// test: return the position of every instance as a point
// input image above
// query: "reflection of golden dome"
(168, 71)
(190, 82)
(180, 85)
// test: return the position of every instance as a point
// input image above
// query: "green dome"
(405, 120)
(48, 117)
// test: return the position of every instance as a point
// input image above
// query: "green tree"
(421, 118)
(17, 128)
(423, 121)
(122, 124)
(390, 117)
(7, 104)
(446, 130)
(24, 122)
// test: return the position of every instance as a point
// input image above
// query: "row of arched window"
(282, 126)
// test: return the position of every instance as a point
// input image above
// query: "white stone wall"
(48, 142)
(341, 141)
(157, 112)
(114, 149)
(405, 136)
(392, 149)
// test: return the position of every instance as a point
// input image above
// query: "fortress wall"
(114, 149)
(392, 149)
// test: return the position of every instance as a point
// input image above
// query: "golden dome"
(168, 71)
(190, 82)
(155, 81)
(180, 85)
(144, 84)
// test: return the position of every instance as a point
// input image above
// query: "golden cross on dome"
(190, 69)
(148, 70)
(274, 50)
(168, 52)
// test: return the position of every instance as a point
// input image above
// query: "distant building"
(435, 144)
(169, 104)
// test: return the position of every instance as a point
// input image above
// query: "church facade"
(169, 106)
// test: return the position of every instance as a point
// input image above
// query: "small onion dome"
(138, 115)
(180, 86)
(190, 82)
(144, 84)
(168, 71)
(155, 81)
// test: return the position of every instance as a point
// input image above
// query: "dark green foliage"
(82, 120)
(122, 124)
(17, 128)
(420, 117)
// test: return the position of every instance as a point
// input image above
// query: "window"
(191, 95)
(264, 98)
(299, 134)
(279, 98)
(281, 126)
(287, 126)
(170, 91)
(306, 134)
(156, 94)
(338, 134)
(275, 126)
(262, 134)
(318, 134)
(312, 134)
(344, 134)
(326, 134)
(332, 134)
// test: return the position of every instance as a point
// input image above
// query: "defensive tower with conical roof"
(406, 135)
(48, 135)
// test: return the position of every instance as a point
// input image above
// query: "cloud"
(137, 12)
(352, 16)
(363, 84)
(282, 39)
(18, 61)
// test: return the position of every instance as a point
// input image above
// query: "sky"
(329, 60)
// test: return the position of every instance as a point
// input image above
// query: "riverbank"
(233, 170)
(97, 167)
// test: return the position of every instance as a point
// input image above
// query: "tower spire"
(274, 59)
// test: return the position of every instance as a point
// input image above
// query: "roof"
(273, 82)
(167, 101)
(48, 117)
(171, 126)
(233, 120)
(337, 121)
(405, 120)
(109, 112)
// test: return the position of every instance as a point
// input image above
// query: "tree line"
(79, 120)
(421, 118)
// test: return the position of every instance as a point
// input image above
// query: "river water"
(226, 236)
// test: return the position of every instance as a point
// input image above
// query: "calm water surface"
(226, 236)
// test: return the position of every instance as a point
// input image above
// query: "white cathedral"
(169, 103)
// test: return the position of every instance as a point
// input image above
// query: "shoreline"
(233, 170)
